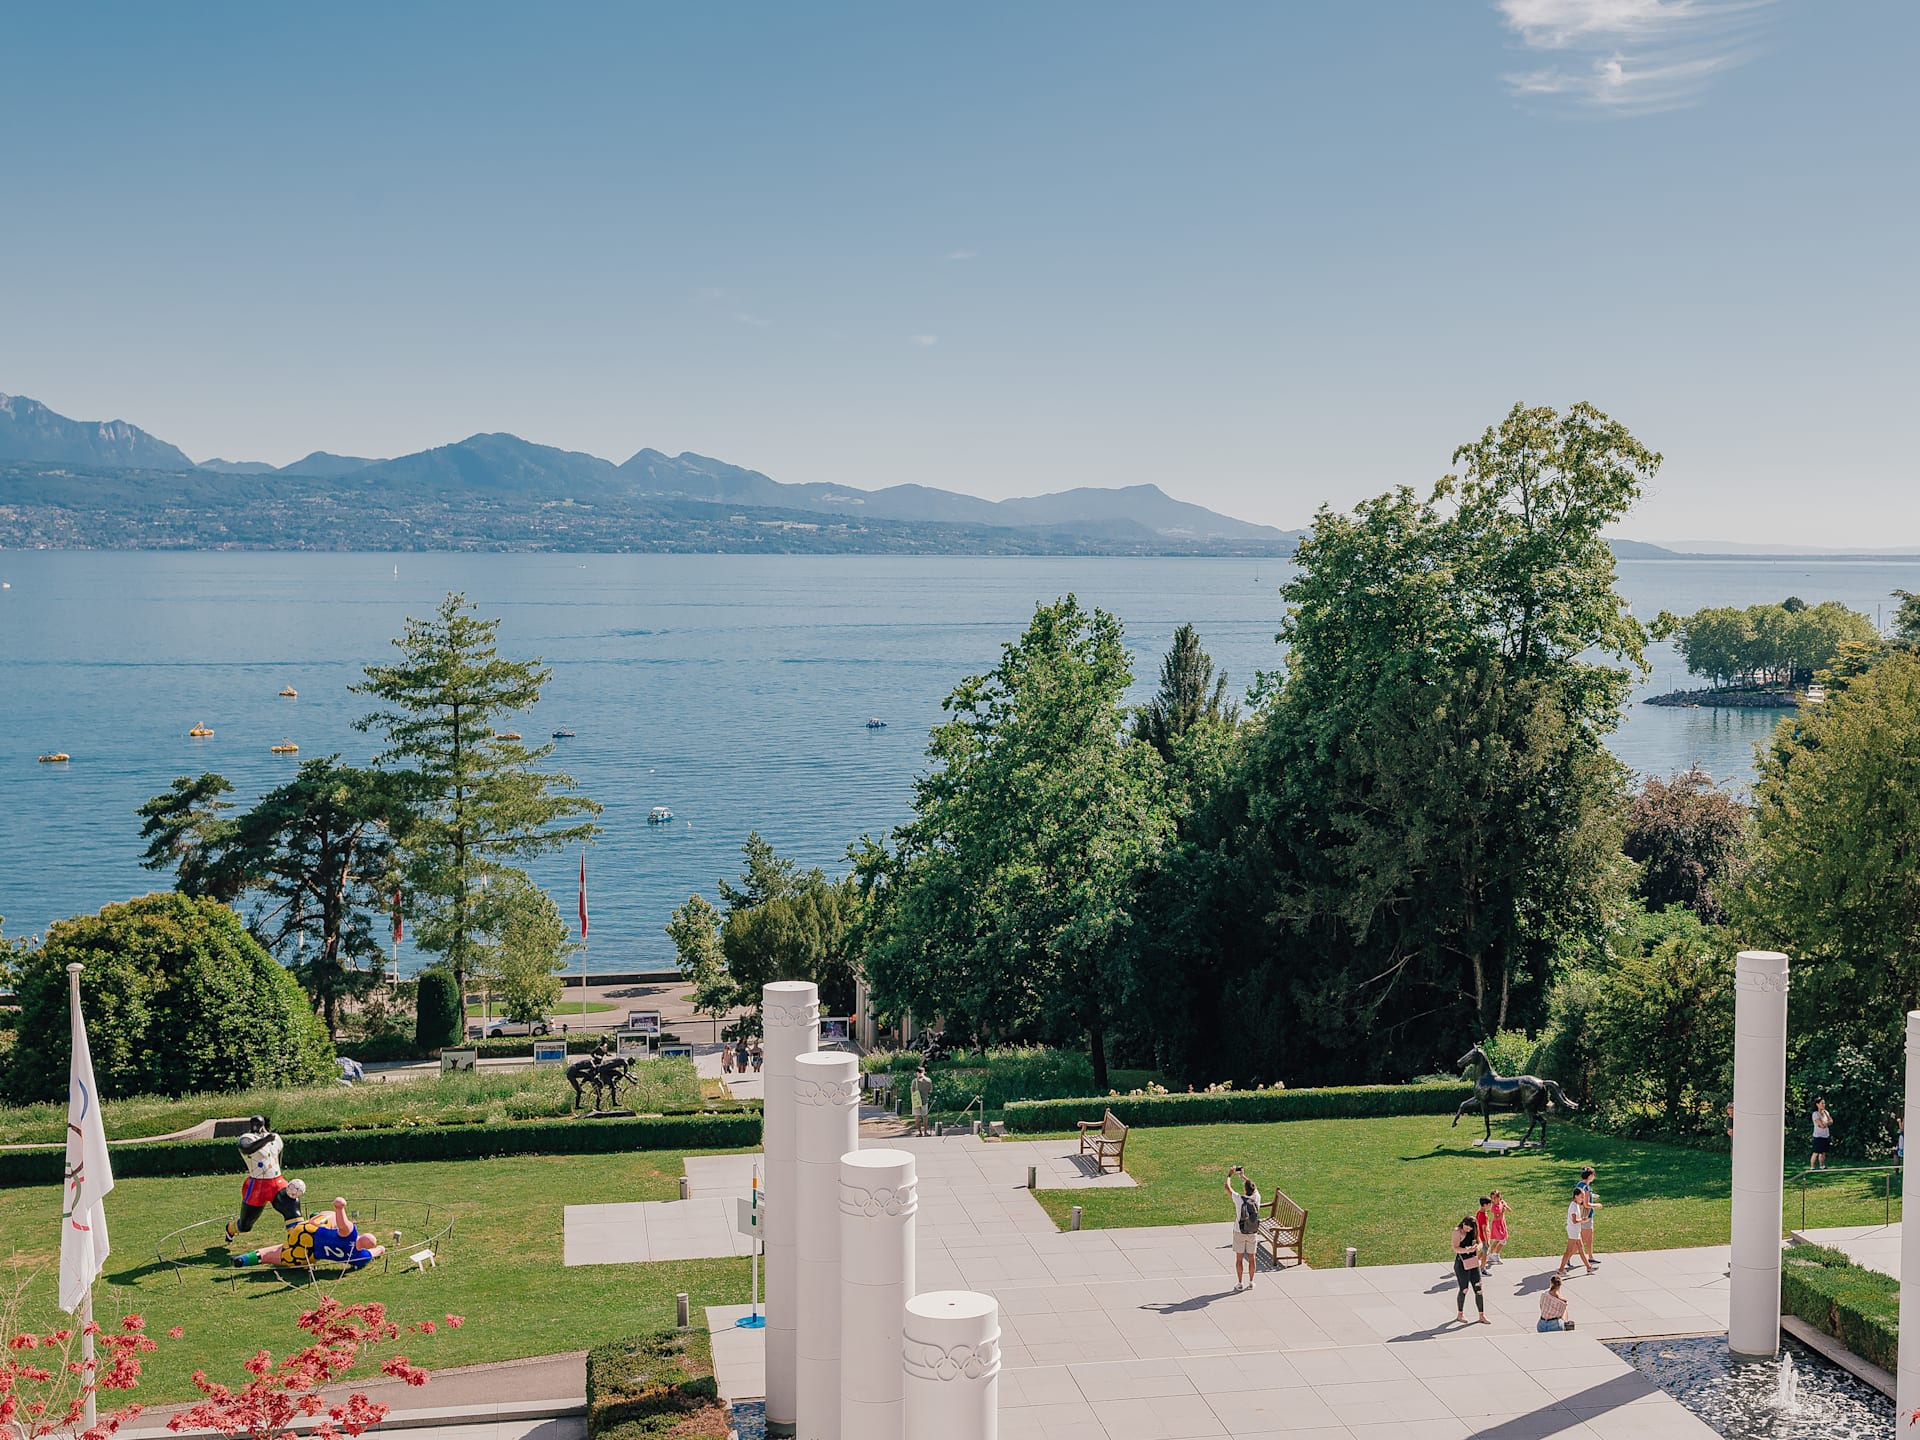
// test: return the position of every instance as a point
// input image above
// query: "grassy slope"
(1395, 1187)
(559, 1012)
(537, 1092)
(501, 1270)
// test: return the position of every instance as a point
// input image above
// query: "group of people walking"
(1479, 1239)
(740, 1057)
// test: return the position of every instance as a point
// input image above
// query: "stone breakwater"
(1735, 699)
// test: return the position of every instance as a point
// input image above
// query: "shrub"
(439, 1016)
(1858, 1307)
(178, 997)
(1241, 1106)
(658, 1384)
(46, 1166)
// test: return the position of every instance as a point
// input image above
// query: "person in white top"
(1822, 1134)
(1576, 1222)
(1246, 1226)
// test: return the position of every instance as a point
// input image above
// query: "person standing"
(1466, 1270)
(1586, 1216)
(1483, 1227)
(1576, 1217)
(1246, 1226)
(1553, 1308)
(1822, 1134)
(922, 1088)
(1497, 1214)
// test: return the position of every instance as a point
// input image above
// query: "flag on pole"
(397, 926)
(583, 894)
(83, 1222)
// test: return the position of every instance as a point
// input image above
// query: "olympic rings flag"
(83, 1222)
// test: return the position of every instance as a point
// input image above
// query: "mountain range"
(506, 468)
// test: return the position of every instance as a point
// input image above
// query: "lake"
(734, 689)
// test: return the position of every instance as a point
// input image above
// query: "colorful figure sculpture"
(260, 1148)
(319, 1237)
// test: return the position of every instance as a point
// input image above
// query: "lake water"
(734, 689)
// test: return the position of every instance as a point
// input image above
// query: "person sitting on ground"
(1553, 1308)
(319, 1237)
(1246, 1225)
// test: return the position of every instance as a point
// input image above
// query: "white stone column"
(1759, 1150)
(1907, 1379)
(791, 1011)
(878, 1200)
(950, 1355)
(826, 1094)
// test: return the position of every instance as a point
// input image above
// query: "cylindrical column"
(1907, 1378)
(790, 1010)
(878, 1199)
(826, 1095)
(950, 1356)
(1759, 1150)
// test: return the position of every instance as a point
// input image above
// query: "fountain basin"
(1798, 1394)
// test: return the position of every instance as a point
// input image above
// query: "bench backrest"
(1111, 1128)
(1284, 1212)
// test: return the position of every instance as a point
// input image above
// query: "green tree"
(1784, 644)
(1835, 873)
(1190, 694)
(1662, 1026)
(694, 929)
(1004, 903)
(1689, 838)
(187, 830)
(526, 947)
(440, 1010)
(179, 998)
(1906, 620)
(479, 800)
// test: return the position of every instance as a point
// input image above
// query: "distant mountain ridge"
(507, 466)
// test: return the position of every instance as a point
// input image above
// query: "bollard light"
(1073, 1220)
(1353, 1257)
(685, 1191)
(682, 1311)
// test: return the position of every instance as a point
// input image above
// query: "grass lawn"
(500, 1269)
(1396, 1187)
(560, 1011)
(535, 1093)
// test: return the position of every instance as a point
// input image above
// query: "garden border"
(1228, 1107)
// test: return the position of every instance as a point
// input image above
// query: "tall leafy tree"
(1689, 838)
(1906, 620)
(1005, 902)
(480, 801)
(187, 829)
(526, 946)
(694, 929)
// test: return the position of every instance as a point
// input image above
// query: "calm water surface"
(734, 689)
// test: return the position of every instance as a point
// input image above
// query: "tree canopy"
(1689, 838)
(1784, 644)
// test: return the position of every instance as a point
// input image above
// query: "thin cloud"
(1632, 57)
(925, 342)
(962, 255)
(759, 322)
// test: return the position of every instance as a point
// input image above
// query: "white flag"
(83, 1221)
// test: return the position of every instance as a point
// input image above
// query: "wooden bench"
(1106, 1140)
(1283, 1226)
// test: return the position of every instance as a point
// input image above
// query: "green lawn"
(501, 1268)
(1396, 1187)
(559, 1012)
(538, 1092)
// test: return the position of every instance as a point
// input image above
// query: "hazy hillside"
(30, 431)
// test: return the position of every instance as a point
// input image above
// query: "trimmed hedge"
(46, 1165)
(1231, 1107)
(507, 1047)
(1858, 1307)
(658, 1384)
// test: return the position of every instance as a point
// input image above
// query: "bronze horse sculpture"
(1528, 1094)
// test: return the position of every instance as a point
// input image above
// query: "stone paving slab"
(625, 1234)
(1875, 1246)
(739, 1356)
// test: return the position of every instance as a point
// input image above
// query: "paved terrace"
(1139, 1334)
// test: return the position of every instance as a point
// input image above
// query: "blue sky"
(1265, 256)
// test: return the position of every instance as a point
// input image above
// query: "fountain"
(1796, 1395)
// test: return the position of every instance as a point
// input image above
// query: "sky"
(1265, 256)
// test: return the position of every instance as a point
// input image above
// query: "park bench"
(1106, 1140)
(1283, 1226)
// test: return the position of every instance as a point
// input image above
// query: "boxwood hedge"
(657, 1384)
(45, 1165)
(1223, 1107)
(1858, 1307)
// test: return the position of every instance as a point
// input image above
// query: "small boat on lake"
(1815, 694)
(873, 724)
(506, 734)
(286, 747)
(200, 732)
(289, 693)
(563, 734)
(659, 815)
(59, 757)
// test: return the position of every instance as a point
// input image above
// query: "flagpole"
(583, 939)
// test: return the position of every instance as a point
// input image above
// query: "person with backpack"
(1246, 1226)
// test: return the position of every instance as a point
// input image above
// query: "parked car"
(500, 1029)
